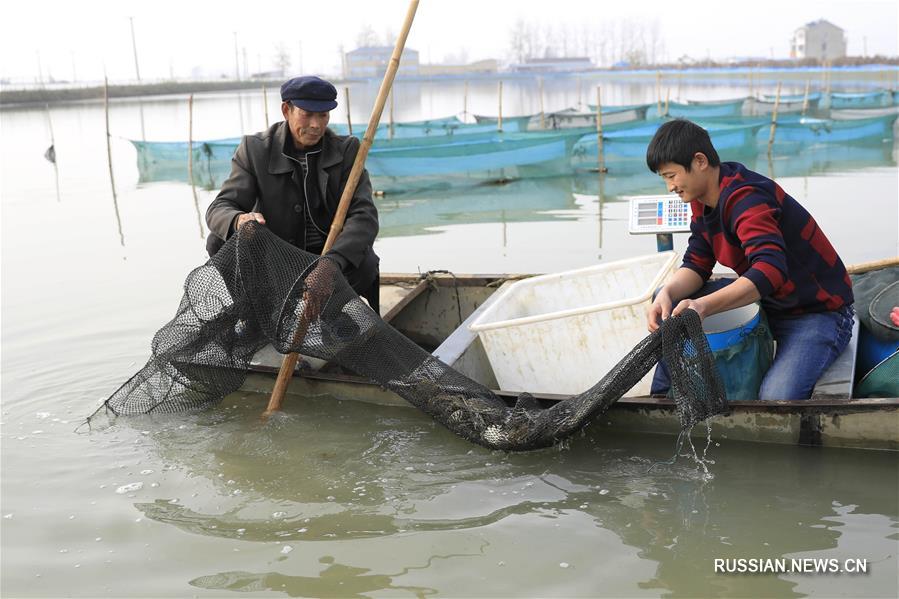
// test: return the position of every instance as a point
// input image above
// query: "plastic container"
(562, 332)
(728, 328)
(743, 348)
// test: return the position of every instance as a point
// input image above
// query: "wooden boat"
(696, 109)
(629, 144)
(840, 100)
(793, 104)
(844, 114)
(434, 311)
(466, 157)
(570, 118)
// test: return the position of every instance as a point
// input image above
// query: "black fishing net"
(258, 289)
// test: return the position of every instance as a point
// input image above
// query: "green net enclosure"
(258, 289)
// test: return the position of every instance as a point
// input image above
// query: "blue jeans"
(806, 346)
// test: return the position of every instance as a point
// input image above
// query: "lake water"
(334, 499)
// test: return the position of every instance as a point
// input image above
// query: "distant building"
(372, 61)
(480, 67)
(820, 40)
(552, 65)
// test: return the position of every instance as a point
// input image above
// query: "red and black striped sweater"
(765, 235)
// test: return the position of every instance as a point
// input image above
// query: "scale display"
(658, 214)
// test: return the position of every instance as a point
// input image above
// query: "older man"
(291, 177)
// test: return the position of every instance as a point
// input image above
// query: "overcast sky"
(177, 37)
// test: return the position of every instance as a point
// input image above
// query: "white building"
(821, 40)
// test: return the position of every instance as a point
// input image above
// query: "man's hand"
(659, 310)
(697, 305)
(319, 286)
(245, 218)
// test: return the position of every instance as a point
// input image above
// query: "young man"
(290, 178)
(746, 222)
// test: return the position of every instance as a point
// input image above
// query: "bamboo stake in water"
(808, 83)
(391, 114)
(659, 93)
(190, 160)
(599, 150)
(51, 151)
(667, 99)
(579, 103)
(465, 103)
(542, 113)
(774, 119)
(349, 118)
(115, 202)
(264, 104)
(499, 120)
(290, 361)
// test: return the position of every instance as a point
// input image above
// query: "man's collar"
(280, 162)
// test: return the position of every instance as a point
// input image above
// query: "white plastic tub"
(562, 332)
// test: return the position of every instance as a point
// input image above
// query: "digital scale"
(658, 214)
(661, 215)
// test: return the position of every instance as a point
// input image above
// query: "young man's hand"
(659, 310)
(697, 305)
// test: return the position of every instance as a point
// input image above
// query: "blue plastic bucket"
(743, 348)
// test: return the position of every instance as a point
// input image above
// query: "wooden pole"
(659, 93)
(667, 99)
(115, 202)
(774, 119)
(50, 154)
(190, 158)
(264, 104)
(349, 118)
(579, 103)
(542, 113)
(599, 150)
(499, 120)
(290, 360)
(465, 103)
(391, 115)
(808, 83)
(861, 267)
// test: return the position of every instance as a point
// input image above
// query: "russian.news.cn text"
(804, 565)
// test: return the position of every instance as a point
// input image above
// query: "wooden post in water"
(774, 119)
(264, 103)
(542, 113)
(499, 120)
(290, 360)
(599, 151)
(579, 81)
(390, 130)
(50, 154)
(349, 118)
(115, 202)
(659, 93)
(190, 158)
(465, 103)
(751, 86)
(808, 83)
(667, 99)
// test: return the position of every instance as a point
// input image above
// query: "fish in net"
(258, 289)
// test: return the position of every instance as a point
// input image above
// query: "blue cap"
(310, 93)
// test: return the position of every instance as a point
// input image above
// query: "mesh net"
(259, 289)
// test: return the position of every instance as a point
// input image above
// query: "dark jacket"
(264, 178)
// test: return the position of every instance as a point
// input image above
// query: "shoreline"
(882, 75)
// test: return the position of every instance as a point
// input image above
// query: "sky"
(79, 40)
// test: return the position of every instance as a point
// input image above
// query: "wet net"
(258, 289)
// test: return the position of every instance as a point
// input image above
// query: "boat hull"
(431, 319)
